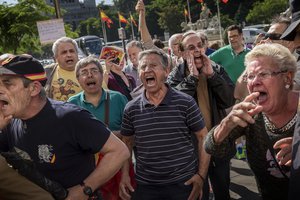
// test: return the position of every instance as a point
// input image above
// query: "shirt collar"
(166, 100)
(103, 97)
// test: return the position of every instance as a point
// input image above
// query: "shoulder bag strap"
(106, 117)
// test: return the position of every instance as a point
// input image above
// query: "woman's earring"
(287, 86)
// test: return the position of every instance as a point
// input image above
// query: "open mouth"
(198, 59)
(3, 104)
(263, 96)
(91, 84)
(69, 61)
(150, 80)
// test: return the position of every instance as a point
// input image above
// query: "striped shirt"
(162, 134)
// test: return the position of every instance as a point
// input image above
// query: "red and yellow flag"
(185, 12)
(106, 19)
(132, 20)
(122, 19)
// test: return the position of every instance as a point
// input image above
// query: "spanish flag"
(132, 20)
(106, 19)
(122, 19)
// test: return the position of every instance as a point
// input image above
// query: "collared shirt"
(117, 103)
(233, 63)
(165, 152)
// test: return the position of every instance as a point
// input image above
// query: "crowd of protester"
(164, 125)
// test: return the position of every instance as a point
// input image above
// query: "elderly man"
(133, 49)
(211, 87)
(105, 105)
(62, 82)
(161, 122)
(61, 138)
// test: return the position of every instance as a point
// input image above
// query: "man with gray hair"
(60, 138)
(209, 84)
(133, 49)
(161, 122)
(62, 82)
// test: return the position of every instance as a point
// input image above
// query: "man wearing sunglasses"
(278, 26)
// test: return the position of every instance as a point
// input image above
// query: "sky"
(15, 1)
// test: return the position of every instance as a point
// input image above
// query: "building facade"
(75, 11)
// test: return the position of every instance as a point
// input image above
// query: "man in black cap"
(292, 33)
(60, 138)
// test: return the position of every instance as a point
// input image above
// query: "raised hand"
(240, 115)
(284, 156)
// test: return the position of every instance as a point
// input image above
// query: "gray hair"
(163, 56)
(174, 37)
(26, 83)
(134, 43)
(280, 56)
(63, 40)
(190, 32)
(86, 61)
(202, 36)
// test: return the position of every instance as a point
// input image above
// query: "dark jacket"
(220, 88)
(116, 83)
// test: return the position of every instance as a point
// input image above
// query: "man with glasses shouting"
(212, 89)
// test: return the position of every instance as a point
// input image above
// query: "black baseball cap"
(291, 31)
(25, 66)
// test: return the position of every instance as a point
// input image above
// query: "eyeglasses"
(273, 36)
(262, 75)
(85, 72)
(193, 47)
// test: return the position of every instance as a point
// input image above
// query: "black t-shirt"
(62, 140)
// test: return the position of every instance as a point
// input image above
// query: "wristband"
(202, 178)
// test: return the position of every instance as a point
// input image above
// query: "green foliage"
(69, 32)
(19, 20)
(166, 20)
(226, 21)
(263, 12)
(91, 26)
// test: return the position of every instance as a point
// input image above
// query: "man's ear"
(35, 88)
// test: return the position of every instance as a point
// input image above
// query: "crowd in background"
(163, 125)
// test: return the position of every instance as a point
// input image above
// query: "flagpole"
(103, 29)
(188, 4)
(220, 27)
(185, 16)
(119, 20)
(132, 30)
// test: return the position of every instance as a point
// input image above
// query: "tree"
(91, 26)
(19, 20)
(263, 12)
(166, 19)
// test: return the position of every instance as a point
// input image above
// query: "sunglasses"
(273, 36)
